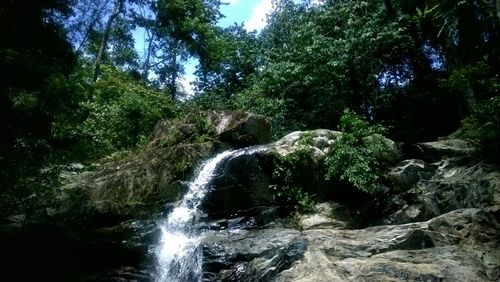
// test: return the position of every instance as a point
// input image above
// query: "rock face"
(444, 227)
(447, 148)
(251, 255)
(240, 128)
(235, 128)
(462, 245)
(244, 182)
(134, 185)
(429, 190)
(142, 183)
(441, 221)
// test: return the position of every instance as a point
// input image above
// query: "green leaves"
(354, 155)
(289, 180)
(327, 58)
(116, 113)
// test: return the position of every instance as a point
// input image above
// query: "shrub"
(483, 125)
(288, 179)
(354, 155)
(116, 113)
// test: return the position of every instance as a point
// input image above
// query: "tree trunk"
(88, 30)
(147, 61)
(104, 44)
(498, 9)
(173, 77)
(390, 9)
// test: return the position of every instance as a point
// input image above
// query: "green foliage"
(231, 60)
(116, 113)
(288, 178)
(321, 60)
(484, 126)
(252, 100)
(354, 155)
(29, 193)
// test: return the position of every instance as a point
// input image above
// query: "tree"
(35, 60)
(232, 57)
(187, 26)
(322, 59)
(117, 10)
(86, 18)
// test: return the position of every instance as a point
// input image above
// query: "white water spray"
(179, 256)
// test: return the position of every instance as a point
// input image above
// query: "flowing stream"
(178, 254)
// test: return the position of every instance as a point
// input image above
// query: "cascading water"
(178, 254)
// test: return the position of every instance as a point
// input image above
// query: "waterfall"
(178, 254)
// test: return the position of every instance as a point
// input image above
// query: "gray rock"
(236, 128)
(407, 173)
(319, 142)
(321, 219)
(240, 128)
(244, 182)
(251, 255)
(462, 245)
(445, 148)
(443, 187)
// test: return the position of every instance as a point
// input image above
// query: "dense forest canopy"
(75, 88)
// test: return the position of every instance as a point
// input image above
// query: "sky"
(251, 13)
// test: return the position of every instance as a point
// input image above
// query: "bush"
(253, 100)
(116, 113)
(483, 125)
(354, 155)
(288, 179)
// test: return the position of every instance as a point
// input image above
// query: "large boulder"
(446, 227)
(247, 180)
(134, 185)
(240, 128)
(234, 128)
(251, 255)
(458, 246)
(320, 143)
(428, 190)
(241, 183)
(408, 172)
(445, 148)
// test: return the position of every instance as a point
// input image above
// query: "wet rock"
(251, 176)
(458, 246)
(251, 255)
